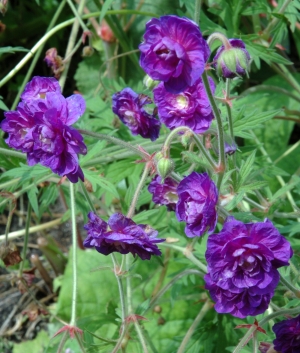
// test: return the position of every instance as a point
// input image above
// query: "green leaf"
(236, 200)
(284, 189)
(253, 186)
(3, 106)
(36, 345)
(93, 151)
(245, 169)
(105, 8)
(144, 216)
(253, 120)
(32, 195)
(26, 172)
(11, 50)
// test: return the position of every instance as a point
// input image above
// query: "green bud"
(186, 138)
(165, 167)
(149, 83)
(87, 51)
(158, 155)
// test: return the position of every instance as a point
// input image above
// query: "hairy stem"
(27, 225)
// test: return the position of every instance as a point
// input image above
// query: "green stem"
(289, 286)
(62, 342)
(197, 11)
(74, 253)
(9, 183)
(138, 191)
(78, 13)
(9, 219)
(37, 55)
(57, 28)
(141, 336)
(229, 112)
(173, 134)
(72, 39)
(26, 237)
(187, 253)
(245, 339)
(115, 141)
(275, 20)
(221, 142)
(287, 152)
(255, 343)
(286, 75)
(255, 204)
(79, 341)
(284, 312)
(12, 153)
(206, 307)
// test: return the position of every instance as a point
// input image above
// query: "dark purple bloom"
(287, 336)
(242, 266)
(174, 52)
(121, 234)
(232, 61)
(41, 128)
(128, 105)
(38, 87)
(164, 193)
(189, 108)
(198, 197)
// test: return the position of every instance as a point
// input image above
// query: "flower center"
(172, 197)
(129, 118)
(42, 95)
(182, 101)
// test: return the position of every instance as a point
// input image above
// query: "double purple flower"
(121, 234)
(189, 108)
(197, 200)
(174, 52)
(242, 266)
(41, 127)
(287, 335)
(164, 193)
(129, 106)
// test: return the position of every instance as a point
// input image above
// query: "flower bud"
(87, 51)
(149, 82)
(165, 167)
(158, 155)
(3, 6)
(186, 138)
(232, 61)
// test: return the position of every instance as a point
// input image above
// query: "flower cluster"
(287, 335)
(242, 266)
(164, 193)
(189, 108)
(129, 106)
(197, 200)
(174, 52)
(121, 234)
(41, 127)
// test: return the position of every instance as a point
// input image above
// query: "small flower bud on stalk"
(165, 167)
(87, 51)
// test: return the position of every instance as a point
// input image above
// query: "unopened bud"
(158, 155)
(233, 61)
(157, 309)
(87, 51)
(186, 138)
(149, 82)
(165, 167)
(3, 6)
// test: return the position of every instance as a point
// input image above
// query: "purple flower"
(164, 193)
(232, 61)
(38, 87)
(174, 52)
(41, 128)
(198, 197)
(265, 347)
(287, 336)
(128, 105)
(242, 266)
(121, 234)
(189, 108)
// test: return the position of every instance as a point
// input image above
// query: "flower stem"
(113, 140)
(78, 13)
(37, 55)
(206, 307)
(245, 339)
(12, 153)
(138, 190)
(62, 342)
(197, 11)
(221, 37)
(188, 254)
(283, 312)
(288, 285)
(221, 144)
(74, 253)
(173, 134)
(276, 19)
(27, 224)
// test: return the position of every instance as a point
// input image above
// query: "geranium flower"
(198, 197)
(121, 234)
(287, 335)
(189, 108)
(164, 193)
(41, 128)
(174, 52)
(129, 106)
(242, 266)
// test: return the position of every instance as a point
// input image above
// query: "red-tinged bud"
(105, 33)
